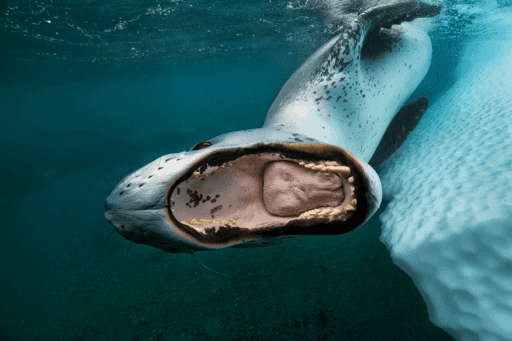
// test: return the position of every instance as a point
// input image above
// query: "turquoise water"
(92, 90)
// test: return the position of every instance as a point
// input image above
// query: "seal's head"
(245, 187)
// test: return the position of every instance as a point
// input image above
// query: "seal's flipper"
(384, 13)
(399, 129)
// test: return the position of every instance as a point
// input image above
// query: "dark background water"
(92, 89)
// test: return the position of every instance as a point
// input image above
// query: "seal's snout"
(136, 206)
(110, 214)
(120, 219)
(108, 208)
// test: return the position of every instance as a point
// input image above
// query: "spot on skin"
(215, 209)
(194, 197)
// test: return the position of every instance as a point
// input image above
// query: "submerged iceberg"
(448, 190)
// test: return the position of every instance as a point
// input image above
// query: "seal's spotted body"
(305, 171)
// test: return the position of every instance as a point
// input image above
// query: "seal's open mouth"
(265, 193)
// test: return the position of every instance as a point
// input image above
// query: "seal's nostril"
(108, 207)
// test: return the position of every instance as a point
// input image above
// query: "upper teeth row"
(344, 170)
(208, 169)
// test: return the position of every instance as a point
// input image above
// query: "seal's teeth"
(343, 170)
(349, 208)
(352, 190)
(335, 212)
(319, 167)
(351, 179)
(193, 224)
(324, 212)
(205, 170)
(320, 213)
(354, 202)
(310, 213)
(207, 221)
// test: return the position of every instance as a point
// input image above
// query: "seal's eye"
(201, 145)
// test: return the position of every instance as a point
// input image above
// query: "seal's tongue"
(290, 189)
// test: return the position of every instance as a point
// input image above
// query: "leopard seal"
(305, 172)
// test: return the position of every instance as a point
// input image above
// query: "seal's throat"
(264, 192)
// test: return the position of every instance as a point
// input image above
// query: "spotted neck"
(347, 92)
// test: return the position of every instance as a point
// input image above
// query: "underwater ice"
(448, 223)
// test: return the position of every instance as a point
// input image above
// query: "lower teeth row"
(317, 212)
(205, 221)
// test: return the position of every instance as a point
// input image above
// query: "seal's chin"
(235, 196)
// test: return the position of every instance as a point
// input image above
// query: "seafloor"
(312, 288)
